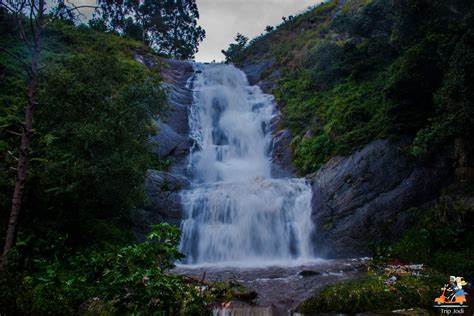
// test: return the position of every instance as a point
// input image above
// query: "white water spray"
(235, 211)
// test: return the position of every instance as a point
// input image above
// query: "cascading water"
(235, 211)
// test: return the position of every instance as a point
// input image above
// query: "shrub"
(370, 294)
(312, 152)
(442, 238)
(125, 280)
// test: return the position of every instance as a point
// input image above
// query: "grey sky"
(222, 19)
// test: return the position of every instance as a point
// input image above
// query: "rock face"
(365, 197)
(170, 142)
(282, 165)
(163, 201)
(258, 74)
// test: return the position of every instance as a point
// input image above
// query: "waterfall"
(235, 211)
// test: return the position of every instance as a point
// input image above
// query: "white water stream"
(235, 212)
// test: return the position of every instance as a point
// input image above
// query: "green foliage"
(370, 294)
(235, 49)
(414, 78)
(326, 64)
(169, 27)
(75, 252)
(443, 237)
(123, 280)
(312, 152)
(453, 101)
(269, 28)
(339, 119)
(90, 150)
(11, 103)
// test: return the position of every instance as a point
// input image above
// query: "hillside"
(377, 107)
(76, 253)
(348, 72)
(377, 104)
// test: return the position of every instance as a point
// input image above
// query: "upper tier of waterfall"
(235, 211)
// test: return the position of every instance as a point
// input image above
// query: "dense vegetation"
(75, 251)
(357, 70)
(168, 26)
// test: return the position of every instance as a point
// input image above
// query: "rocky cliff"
(171, 143)
(366, 197)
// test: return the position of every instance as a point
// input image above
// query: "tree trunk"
(23, 158)
(24, 153)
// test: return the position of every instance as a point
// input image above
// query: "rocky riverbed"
(280, 288)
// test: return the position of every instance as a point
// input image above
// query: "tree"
(168, 26)
(268, 28)
(234, 49)
(30, 18)
(22, 11)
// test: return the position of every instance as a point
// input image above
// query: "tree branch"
(13, 55)
(72, 8)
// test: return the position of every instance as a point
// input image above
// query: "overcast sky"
(222, 19)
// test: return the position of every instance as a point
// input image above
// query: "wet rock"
(262, 73)
(239, 308)
(163, 201)
(170, 142)
(248, 297)
(172, 138)
(282, 155)
(365, 197)
(278, 287)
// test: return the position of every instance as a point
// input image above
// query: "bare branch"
(14, 133)
(71, 7)
(12, 154)
(7, 7)
(13, 55)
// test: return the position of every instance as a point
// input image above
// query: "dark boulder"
(168, 143)
(365, 197)
(309, 273)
